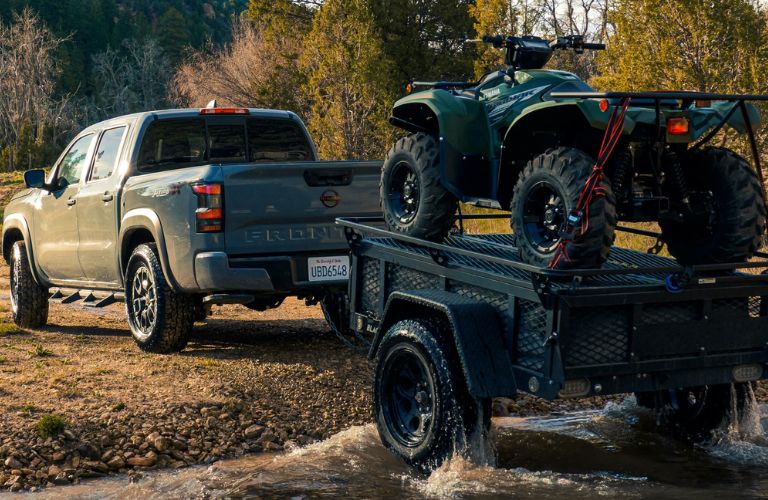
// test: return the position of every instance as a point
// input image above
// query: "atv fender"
(476, 332)
(463, 131)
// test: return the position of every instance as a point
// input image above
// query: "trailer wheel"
(727, 216)
(29, 301)
(413, 200)
(693, 413)
(160, 319)
(424, 413)
(545, 193)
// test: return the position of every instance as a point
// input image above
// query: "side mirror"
(35, 178)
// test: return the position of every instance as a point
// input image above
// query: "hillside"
(95, 25)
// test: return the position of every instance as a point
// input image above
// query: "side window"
(105, 158)
(273, 139)
(72, 165)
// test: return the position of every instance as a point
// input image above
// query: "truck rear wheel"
(413, 200)
(546, 191)
(424, 413)
(727, 217)
(160, 319)
(29, 301)
(693, 413)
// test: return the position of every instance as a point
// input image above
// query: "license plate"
(328, 268)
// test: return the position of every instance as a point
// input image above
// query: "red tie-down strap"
(578, 219)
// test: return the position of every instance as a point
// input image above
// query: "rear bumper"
(218, 272)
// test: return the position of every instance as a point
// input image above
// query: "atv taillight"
(210, 207)
(677, 126)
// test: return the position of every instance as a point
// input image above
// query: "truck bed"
(614, 325)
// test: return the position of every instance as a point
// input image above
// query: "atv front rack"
(495, 256)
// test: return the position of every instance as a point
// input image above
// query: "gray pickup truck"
(172, 211)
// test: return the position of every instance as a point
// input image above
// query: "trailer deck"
(640, 323)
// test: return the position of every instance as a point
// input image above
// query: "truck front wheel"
(413, 200)
(424, 413)
(29, 301)
(546, 191)
(160, 319)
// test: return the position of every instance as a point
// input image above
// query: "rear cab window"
(182, 142)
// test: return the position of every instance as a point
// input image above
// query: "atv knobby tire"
(694, 413)
(737, 218)
(160, 319)
(29, 301)
(546, 191)
(413, 200)
(423, 410)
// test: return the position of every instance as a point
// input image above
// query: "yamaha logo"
(330, 198)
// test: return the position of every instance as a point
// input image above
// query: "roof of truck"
(183, 113)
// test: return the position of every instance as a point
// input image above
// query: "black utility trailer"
(454, 324)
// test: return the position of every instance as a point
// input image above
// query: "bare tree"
(133, 82)
(253, 70)
(28, 83)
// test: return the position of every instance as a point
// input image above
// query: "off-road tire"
(567, 170)
(175, 312)
(740, 210)
(29, 301)
(694, 419)
(436, 207)
(458, 418)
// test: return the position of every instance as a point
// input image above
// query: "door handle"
(71, 201)
(106, 197)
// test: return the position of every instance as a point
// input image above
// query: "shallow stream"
(615, 452)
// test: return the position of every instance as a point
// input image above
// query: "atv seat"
(474, 92)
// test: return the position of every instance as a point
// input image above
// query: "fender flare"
(476, 330)
(145, 218)
(18, 222)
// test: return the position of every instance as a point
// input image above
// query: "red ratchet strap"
(579, 216)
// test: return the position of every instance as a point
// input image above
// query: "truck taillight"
(210, 207)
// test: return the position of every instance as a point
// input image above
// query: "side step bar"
(90, 298)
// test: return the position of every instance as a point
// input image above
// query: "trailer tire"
(546, 191)
(413, 200)
(160, 319)
(693, 413)
(424, 413)
(29, 301)
(730, 191)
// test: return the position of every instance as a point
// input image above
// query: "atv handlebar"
(575, 42)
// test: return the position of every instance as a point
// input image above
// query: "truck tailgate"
(284, 208)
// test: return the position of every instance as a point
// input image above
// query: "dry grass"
(623, 239)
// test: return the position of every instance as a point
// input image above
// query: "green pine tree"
(349, 82)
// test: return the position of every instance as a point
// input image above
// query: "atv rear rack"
(494, 256)
(686, 99)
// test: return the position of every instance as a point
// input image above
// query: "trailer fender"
(476, 331)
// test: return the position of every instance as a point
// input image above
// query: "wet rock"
(162, 444)
(141, 461)
(96, 465)
(88, 450)
(253, 431)
(53, 471)
(59, 456)
(498, 409)
(116, 463)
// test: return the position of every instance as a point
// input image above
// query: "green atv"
(529, 140)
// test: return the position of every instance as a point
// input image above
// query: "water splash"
(741, 437)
